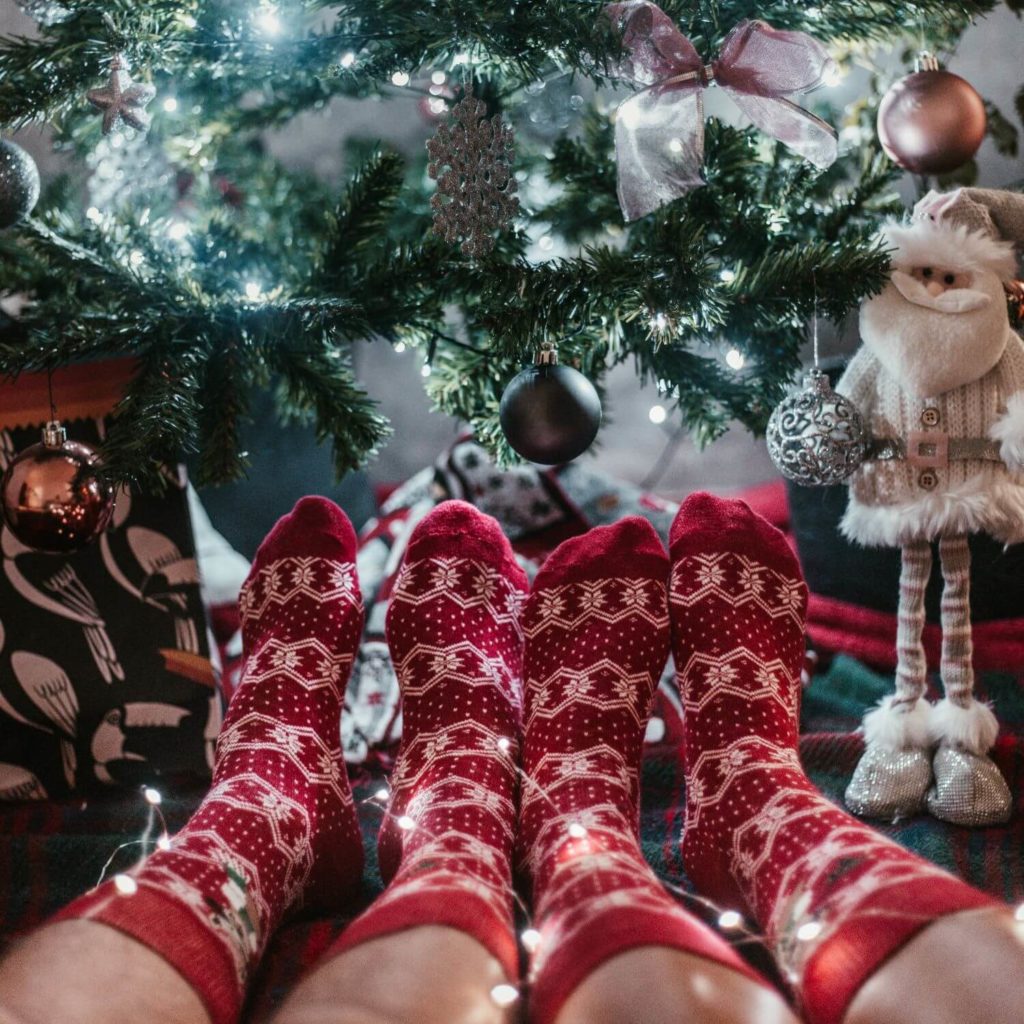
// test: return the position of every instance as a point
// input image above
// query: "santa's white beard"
(929, 350)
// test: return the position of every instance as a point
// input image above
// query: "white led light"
(809, 931)
(94, 215)
(1019, 913)
(177, 230)
(438, 78)
(437, 105)
(152, 796)
(735, 359)
(659, 321)
(576, 830)
(381, 794)
(252, 290)
(400, 78)
(406, 823)
(675, 145)
(135, 258)
(730, 919)
(460, 58)
(546, 242)
(530, 939)
(504, 744)
(187, 20)
(400, 347)
(504, 995)
(125, 885)
(163, 843)
(657, 414)
(727, 276)
(170, 104)
(348, 59)
(425, 371)
(267, 19)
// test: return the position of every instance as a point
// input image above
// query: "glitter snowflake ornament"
(471, 161)
(122, 101)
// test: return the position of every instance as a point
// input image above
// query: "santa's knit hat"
(992, 214)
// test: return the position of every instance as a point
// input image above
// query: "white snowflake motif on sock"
(592, 598)
(634, 596)
(446, 576)
(277, 808)
(711, 575)
(485, 585)
(751, 580)
(720, 675)
(578, 686)
(575, 764)
(342, 578)
(552, 606)
(790, 596)
(445, 663)
(303, 575)
(285, 659)
(287, 739)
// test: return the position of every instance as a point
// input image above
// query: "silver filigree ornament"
(471, 161)
(123, 101)
(816, 437)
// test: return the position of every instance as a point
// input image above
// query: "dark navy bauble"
(19, 183)
(550, 414)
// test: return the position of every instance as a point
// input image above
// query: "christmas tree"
(190, 248)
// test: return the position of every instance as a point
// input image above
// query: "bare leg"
(963, 969)
(81, 972)
(657, 985)
(427, 975)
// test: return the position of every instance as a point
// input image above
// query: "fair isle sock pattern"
(278, 828)
(456, 643)
(597, 635)
(834, 897)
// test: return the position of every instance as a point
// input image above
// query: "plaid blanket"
(53, 851)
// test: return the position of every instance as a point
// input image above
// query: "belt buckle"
(928, 449)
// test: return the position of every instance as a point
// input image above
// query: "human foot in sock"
(278, 827)
(835, 898)
(597, 637)
(456, 643)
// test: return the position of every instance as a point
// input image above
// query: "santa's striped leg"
(968, 788)
(893, 774)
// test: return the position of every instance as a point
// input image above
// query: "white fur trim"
(1009, 429)
(974, 727)
(924, 243)
(895, 729)
(987, 502)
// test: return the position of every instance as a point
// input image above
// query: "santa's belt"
(933, 449)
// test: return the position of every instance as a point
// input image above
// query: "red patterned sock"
(278, 827)
(835, 898)
(456, 643)
(597, 633)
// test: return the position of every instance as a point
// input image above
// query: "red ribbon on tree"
(659, 131)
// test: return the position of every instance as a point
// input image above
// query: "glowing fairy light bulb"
(735, 359)
(135, 258)
(504, 744)
(657, 414)
(252, 290)
(152, 796)
(438, 78)
(170, 104)
(400, 347)
(809, 931)
(348, 60)
(425, 370)
(406, 823)
(504, 995)
(268, 20)
(730, 919)
(164, 842)
(400, 78)
(125, 885)
(177, 230)
(1019, 913)
(576, 830)
(382, 794)
(94, 215)
(530, 940)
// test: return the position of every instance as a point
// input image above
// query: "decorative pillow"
(105, 665)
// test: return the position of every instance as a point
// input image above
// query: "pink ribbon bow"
(659, 131)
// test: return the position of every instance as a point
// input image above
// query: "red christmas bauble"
(931, 122)
(53, 498)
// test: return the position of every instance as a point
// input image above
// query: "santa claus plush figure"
(940, 384)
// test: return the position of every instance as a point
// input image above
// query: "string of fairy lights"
(730, 921)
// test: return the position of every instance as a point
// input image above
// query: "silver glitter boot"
(892, 777)
(969, 789)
